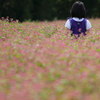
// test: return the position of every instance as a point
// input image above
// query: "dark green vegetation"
(44, 9)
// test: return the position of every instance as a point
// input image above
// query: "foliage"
(17, 9)
(37, 66)
(44, 10)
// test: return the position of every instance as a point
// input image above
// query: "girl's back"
(78, 24)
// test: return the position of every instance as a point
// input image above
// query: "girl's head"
(78, 10)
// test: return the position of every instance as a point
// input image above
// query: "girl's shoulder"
(84, 20)
(70, 21)
(78, 19)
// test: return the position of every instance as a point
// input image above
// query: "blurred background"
(33, 10)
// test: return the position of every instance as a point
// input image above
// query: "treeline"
(44, 9)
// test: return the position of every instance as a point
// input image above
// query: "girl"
(78, 24)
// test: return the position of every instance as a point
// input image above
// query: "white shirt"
(88, 24)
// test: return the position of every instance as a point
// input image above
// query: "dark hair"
(78, 10)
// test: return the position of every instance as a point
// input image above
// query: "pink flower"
(84, 74)
(28, 38)
(37, 87)
(2, 96)
(79, 29)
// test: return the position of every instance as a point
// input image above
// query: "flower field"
(40, 61)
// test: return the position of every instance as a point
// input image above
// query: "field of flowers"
(40, 61)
